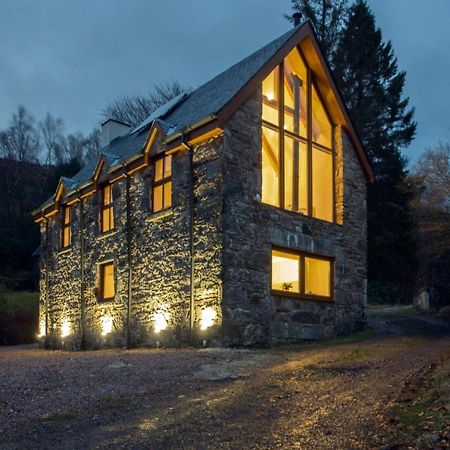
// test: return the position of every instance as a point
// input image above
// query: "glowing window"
(317, 277)
(322, 184)
(106, 285)
(66, 232)
(271, 97)
(302, 275)
(295, 94)
(107, 209)
(297, 145)
(162, 184)
(322, 130)
(285, 271)
(270, 165)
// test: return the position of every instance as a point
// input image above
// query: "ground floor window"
(301, 274)
(106, 289)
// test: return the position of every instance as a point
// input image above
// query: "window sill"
(161, 214)
(314, 298)
(65, 250)
(105, 300)
(107, 234)
(299, 214)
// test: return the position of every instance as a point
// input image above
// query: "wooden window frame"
(310, 81)
(101, 280)
(162, 182)
(302, 276)
(66, 225)
(104, 207)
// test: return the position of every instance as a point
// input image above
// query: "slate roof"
(187, 109)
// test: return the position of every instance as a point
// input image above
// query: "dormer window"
(106, 209)
(297, 142)
(162, 184)
(66, 232)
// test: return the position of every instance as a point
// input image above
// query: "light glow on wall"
(107, 325)
(208, 318)
(160, 320)
(65, 328)
(41, 329)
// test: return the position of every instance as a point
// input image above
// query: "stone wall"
(252, 316)
(160, 260)
(233, 238)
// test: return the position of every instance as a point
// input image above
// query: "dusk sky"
(71, 58)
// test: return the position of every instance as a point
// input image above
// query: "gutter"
(47, 284)
(198, 124)
(129, 259)
(82, 302)
(190, 150)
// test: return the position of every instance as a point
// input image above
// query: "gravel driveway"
(332, 395)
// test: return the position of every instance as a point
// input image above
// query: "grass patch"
(59, 417)
(423, 408)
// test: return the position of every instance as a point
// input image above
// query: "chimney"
(111, 129)
(297, 17)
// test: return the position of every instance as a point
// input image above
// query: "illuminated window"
(66, 232)
(301, 275)
(106, 281)
(107, 209)
(285, 271)
(297, 145)
(162, 184)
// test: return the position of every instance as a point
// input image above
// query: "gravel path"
(312, 397)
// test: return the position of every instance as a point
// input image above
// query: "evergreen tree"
(328, 18)
(367, 73)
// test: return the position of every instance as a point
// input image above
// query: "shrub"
(18, 317)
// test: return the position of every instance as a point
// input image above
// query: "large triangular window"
(297, 141)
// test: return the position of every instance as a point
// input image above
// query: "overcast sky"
(72, 57)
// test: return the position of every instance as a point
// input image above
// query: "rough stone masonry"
(233, 234)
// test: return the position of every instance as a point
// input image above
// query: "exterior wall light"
(65, 328)
(41, 329)
(160, 321)
(208, 318)
(107, 325)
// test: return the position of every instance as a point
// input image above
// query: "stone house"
(233, 215)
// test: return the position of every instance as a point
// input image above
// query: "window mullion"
(309, 146)
(281, 131)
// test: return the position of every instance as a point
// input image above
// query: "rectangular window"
(106, 281)
(301, 275)
(66, 232)
(162, 184)
(107, 209)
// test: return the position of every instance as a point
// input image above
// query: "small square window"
(162, 184)
(66, 232)
(106, 209)
(106, 281)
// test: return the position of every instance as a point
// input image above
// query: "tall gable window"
(66, 232)
(297, 142)
(106, 209)
(301, 275)
(162, 184)
(106, 289)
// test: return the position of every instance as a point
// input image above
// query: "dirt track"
(333, 395)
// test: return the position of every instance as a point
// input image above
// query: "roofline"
(213, 122)
(304, 31)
